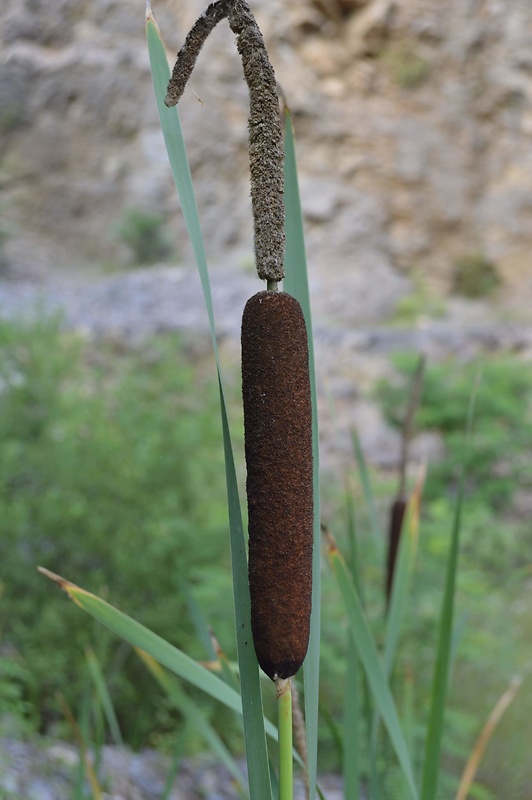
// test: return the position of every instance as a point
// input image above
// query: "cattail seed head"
(278, 447)
(397, 514)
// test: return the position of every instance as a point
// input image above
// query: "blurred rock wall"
(413, 119)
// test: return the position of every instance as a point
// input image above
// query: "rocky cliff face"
(413, 118)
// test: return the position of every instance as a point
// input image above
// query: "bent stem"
(284, 697)
(266, 150)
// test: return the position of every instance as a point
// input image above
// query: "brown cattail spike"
(397, 514)
(278, 445)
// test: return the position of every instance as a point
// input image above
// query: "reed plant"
(278, 622)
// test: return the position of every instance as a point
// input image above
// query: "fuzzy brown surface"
(278, 446)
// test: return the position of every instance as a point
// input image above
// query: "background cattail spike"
(397, 511)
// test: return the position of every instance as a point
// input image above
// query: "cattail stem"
(407, 432)
(284, 698)
(300, 736)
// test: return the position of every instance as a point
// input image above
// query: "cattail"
(397, 511)
(278, 447)
(397, 514)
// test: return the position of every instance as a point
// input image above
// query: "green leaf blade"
(369, 658)
(177, 155)
(296, 284)
(195, 717)
(162, 651)
(98, 679)
(444, 651)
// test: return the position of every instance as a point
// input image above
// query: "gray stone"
(319, 199)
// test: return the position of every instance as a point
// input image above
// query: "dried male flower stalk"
(266, 156)
(278, 446)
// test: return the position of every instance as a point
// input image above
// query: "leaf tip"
(63, 584)
(331, 541)
(150, 18)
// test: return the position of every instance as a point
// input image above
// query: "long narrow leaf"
(408, 711)
(335, 733)
(227, 671)
(140, 636)
(366, 485)
(195, 717)
(177, 155)
(178, 751)
(83, 719)
(296, 284)
(354, 557)
(104, 696)
(256, 753)
(367, 652)
(198, 620)
(352, 724)
(177, 755)
(162, 651)
(431, 764)
(400, 589)
(255, 739)
(444, 651)
(473, 762)
(90, 772)
(355, 550)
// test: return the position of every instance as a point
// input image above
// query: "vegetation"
(96, 469)
(421, 303)
(408, 68)
(144, 234)
(496, 552)
(474, 275)
(105, 456)
(503, 426)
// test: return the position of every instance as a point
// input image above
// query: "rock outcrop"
(413, 122)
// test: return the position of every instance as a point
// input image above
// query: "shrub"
(145, 236)
(106, 466)
(503, 424)
(407, 67)
(474, 276)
